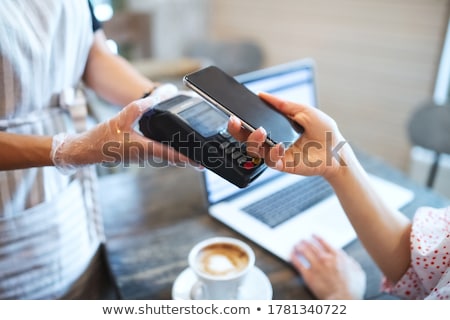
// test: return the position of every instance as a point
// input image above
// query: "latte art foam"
(222, 259)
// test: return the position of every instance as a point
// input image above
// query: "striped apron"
(50, 228)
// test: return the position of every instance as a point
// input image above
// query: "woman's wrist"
(345, 162)
(61, 155)
(337, 152)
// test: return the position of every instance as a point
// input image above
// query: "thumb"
(130, 114)
(134, 111)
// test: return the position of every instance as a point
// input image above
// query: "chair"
(429, 128)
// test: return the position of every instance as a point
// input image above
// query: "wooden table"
(153, 216)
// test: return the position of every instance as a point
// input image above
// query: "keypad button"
(236, 154)
(249, 165)
(242, 160)
(225, 145)
(256, 161)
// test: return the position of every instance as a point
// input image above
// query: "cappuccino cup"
(221, 265)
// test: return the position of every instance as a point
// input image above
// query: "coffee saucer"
(256, 286)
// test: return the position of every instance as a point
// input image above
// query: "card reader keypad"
(237, 151)
(196, 129)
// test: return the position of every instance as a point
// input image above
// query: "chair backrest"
(429, 127)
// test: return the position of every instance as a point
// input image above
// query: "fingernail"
(280, 150)
(234, 119)
(263, 131)
(304, 261)
(279, 165)
(304, 242)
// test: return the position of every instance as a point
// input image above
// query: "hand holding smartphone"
(233, 98)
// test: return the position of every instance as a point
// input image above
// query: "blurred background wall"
(377, 60)
(175, 23)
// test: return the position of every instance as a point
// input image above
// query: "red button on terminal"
(249, 165)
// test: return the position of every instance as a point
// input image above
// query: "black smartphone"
(233, 98)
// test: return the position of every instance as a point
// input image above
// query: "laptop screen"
(294, 81)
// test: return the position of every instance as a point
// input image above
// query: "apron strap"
(74, 101)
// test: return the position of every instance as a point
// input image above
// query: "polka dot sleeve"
(429, 274)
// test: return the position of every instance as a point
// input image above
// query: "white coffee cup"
(221, 265)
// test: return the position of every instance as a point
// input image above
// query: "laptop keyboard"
(291, 201)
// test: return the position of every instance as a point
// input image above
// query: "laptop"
(279, 209)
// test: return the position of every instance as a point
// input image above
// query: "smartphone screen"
(233, 98)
